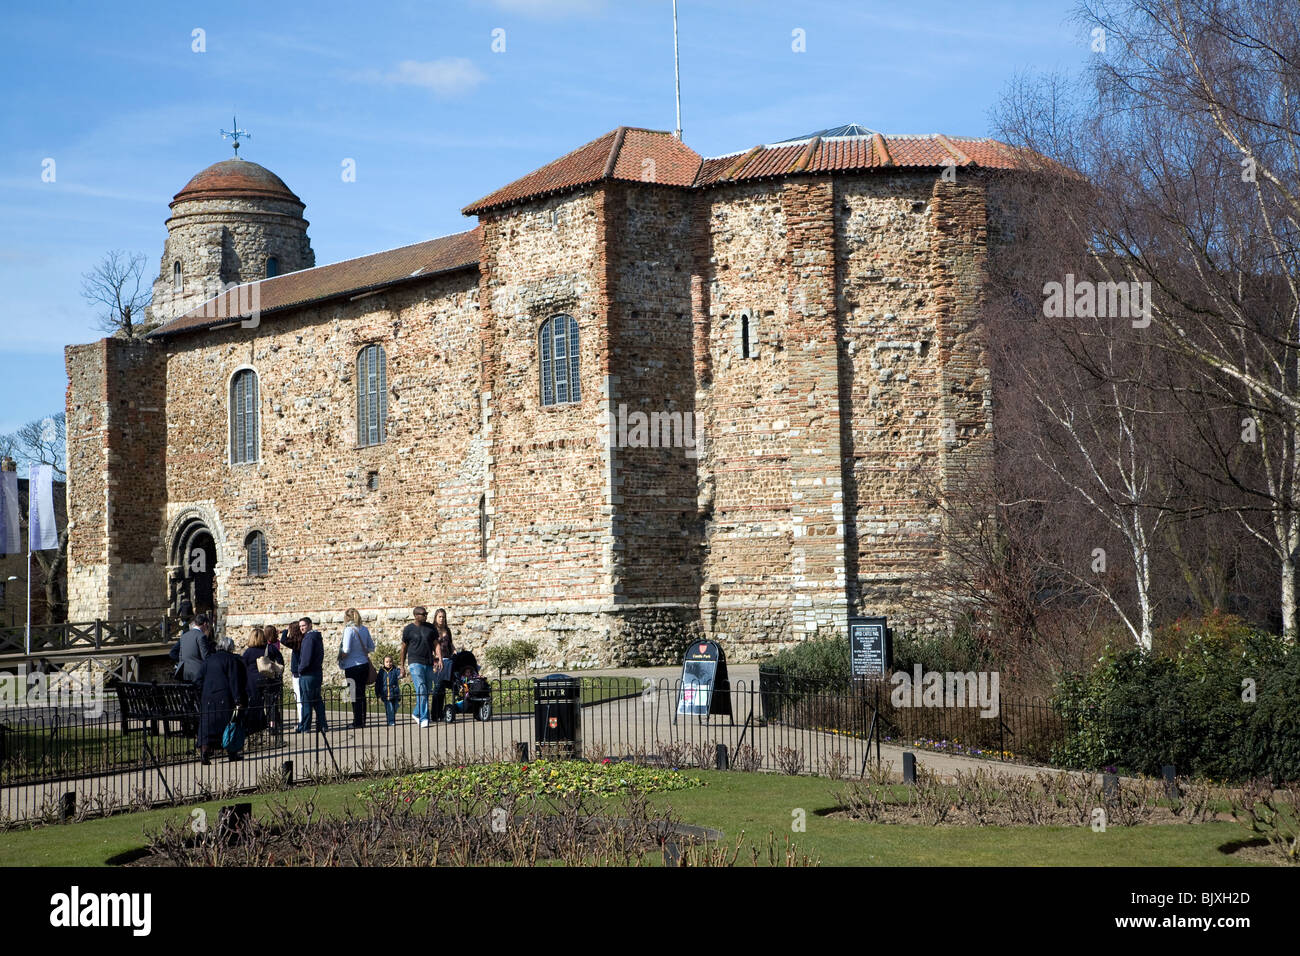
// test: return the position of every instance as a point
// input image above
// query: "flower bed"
(538, 778)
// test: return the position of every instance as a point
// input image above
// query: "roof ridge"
(878, 142)
(951, 147)
(620, 135)
(740, 164)
(804, 158)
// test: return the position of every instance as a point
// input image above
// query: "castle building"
(649, 396)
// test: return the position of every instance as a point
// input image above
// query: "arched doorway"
(194, 566)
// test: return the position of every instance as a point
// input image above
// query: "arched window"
(372, 395)
(177, 279)
(558, 343)
(744, 336)
(272, 267)
(482, 526)
(258, 555)
(243, 417)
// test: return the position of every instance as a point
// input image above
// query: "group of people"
(248, 688)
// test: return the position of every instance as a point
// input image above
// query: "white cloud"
(450, 76)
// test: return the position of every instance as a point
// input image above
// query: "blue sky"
(433, 118)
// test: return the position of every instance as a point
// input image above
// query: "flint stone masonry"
(226, 240)
(805, 502)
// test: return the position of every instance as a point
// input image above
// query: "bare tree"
(1189, 135)
(119, 289)
(1093, 436)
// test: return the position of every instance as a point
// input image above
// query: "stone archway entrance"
(194, 566)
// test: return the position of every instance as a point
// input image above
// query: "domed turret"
(234, 222)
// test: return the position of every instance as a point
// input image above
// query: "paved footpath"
(639, 725)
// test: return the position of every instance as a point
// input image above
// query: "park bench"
(147, 708)
(158, 706)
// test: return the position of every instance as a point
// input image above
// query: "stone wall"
(821, 331)
(376, 527)
(550, 504)
(745, 477)
(652, 397)
(117, 454)
(891, 357)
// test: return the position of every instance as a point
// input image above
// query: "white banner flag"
(42, 534)
(11, 532)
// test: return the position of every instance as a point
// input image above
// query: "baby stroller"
(470, 691)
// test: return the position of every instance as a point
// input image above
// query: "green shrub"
(507, 657)
(822, 659)
(959, 650)
(1183, 705)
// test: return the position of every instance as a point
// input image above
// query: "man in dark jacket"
(224, 680)
(311, 661)
(196, 645)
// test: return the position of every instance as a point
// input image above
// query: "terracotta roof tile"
(626, 154)
(619, 154)
(841, 154)
(353, 276)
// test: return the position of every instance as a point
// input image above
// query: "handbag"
(232, 739)
(269, 668)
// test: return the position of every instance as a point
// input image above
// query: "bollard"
(67, 807)
(232, 819)
(723, 758)
(1171, 781)
(286, 773)
(521, 751)
(909, 767)
(1110, 786)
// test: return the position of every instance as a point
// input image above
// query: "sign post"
(869, 646)
(705, 687)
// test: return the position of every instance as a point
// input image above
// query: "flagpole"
(29, 571)
(677, 73)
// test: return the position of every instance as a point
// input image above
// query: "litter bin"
(557, 716)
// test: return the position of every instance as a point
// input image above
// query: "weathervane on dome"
(234, 133)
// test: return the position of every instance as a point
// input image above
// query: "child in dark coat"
(389, 688)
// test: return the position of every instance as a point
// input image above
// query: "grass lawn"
(732, 802)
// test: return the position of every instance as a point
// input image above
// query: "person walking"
(311, 662)
(417, 657)
(443, 651)
(354, 661)
(224, 682)
(388, 688)
(196, 645)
